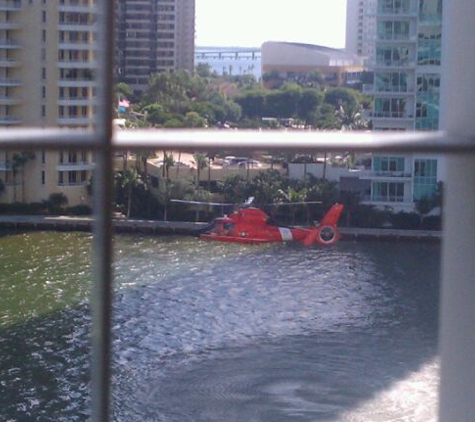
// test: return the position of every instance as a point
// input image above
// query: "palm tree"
(168, 161)
(201, 163)
(292, 195)
(128, 180)
(351, 117)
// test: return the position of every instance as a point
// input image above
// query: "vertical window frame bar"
(102, 290)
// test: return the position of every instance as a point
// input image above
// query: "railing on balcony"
(391, 115)
(396, 37)
(393, 63)
(10, 82)
(10, 4)
(388, 198)
(75, 166)
(373, 174)
(9, 43)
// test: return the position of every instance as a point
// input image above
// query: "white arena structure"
(296, 59)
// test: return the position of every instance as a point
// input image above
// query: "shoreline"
(67, 223)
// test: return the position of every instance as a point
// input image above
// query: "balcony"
(75, 121)
(10, 82)
(396, 38)
(400, 176)
(388, 199)
(9, 44)
(77, 64)
(9, 62)
(78, 26)
(388, 90)
(77, 7)
(9, 24)
(71, 101)
(77, 166)
(401, 115)
(9, 121)
(70, 45)
(391, 64)
(77, 83)
(10, 5)
(9, 100)
(395, 12)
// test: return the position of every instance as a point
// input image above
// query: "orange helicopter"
(251, 225)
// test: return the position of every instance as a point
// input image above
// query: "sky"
(249, 23)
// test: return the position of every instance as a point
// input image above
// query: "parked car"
(231, 161)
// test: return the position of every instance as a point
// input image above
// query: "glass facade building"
(406, 92)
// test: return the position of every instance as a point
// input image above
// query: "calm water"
(222, 332)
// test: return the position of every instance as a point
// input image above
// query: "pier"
(125, 225)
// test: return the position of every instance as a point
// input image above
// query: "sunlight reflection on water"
(223, 332)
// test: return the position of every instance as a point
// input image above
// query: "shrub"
(79, 210)
(405, 220)
(432, 222)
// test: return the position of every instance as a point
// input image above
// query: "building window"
(425, 178)
(388, 164)
(387, 192)
(43, 177)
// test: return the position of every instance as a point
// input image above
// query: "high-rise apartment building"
(152, 36)
(47, 66)
(361, 27)
(406, 91)
(407, 65)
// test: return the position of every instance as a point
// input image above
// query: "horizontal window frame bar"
(240, 140)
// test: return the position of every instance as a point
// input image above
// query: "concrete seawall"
(66, 223)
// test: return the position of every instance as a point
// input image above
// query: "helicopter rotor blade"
(277, 204)
(213, 204)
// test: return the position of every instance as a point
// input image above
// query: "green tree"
(123, 89)
(203, 70)
(19, 161)
(234, 188)
(252, 103)
(308, 104)
(193, 119)
(265, 186)
(155, 114)
(315, 79)
(423, 207)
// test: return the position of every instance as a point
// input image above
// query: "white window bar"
(457, 138)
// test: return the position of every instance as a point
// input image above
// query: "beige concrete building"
(295, 60)
(361, 27)
(47, 65)
(153, 36)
